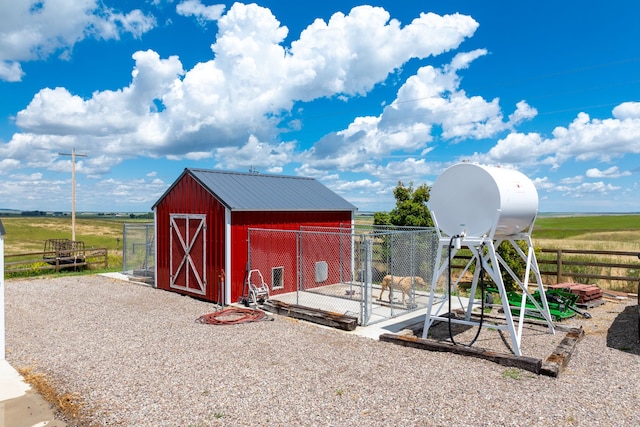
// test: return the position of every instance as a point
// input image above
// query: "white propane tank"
(467, 198)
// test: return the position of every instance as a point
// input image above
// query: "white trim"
(281, 284)
(187, 242)
(227, 256)
(155, 247)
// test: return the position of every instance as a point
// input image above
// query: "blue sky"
(359, 96)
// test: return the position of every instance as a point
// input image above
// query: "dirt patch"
(67, 404)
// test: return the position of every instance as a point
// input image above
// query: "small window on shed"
(277, 278)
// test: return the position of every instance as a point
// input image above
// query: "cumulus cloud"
(201, 12)
(234, 102)
(237, 106)
(588, 188)
(574, 187)
(612, 172)
(584, 139)
(543, 183)
(430, 98)
(523, 112)
(108, 115)
(351, 53)
(399, 170)
(257, 154)
(36, 30)
(627, 110)
(11, 71)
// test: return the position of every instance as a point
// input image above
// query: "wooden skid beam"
(523, 362)
(327, 318)
(558, 360)
(552, 367)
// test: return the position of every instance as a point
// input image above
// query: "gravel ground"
(136, 357)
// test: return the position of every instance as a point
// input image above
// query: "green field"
(593, 232)
(577, 226)
(599, 232)
(27, 234)
(576, 231)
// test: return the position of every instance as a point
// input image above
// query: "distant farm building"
(202, 227)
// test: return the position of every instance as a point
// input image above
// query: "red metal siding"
(281, 220)
(333, 248)
(189, 197)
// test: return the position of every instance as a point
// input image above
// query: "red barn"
(202, 224)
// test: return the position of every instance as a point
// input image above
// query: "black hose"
(482, 290)
(449, 286)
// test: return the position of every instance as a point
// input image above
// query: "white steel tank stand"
(484, 249)
(479, 207)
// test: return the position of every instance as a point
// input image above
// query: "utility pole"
(73, 189)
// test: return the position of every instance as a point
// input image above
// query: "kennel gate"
(138, 254)
(340, 269)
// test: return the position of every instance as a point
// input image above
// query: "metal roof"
(252, 191)
(1, 228)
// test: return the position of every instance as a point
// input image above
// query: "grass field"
(28, 234)
(599, 232)
(607, 232)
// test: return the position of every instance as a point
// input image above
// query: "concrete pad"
(11, 383)
(123, 277)
(20, 406)
(409, 320)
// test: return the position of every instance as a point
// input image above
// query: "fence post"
(124, 246)
(558, 266)
(367, 285)
(299, 274)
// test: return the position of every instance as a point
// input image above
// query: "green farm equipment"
(562, 304)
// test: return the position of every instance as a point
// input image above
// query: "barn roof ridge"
(268, 175)
(242, 191)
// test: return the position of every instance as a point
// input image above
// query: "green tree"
(411, 207)
(514, 261)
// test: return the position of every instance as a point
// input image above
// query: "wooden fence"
(617, 269)
(39, 261)
(587, 265)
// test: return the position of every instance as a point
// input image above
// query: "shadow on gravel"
(623, 333)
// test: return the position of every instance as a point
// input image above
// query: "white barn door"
(188, 253)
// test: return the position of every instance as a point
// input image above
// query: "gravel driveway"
(136, 357)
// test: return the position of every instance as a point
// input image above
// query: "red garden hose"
(232, 316)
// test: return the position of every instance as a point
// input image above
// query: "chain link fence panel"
(138, 249)
(344, 269)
